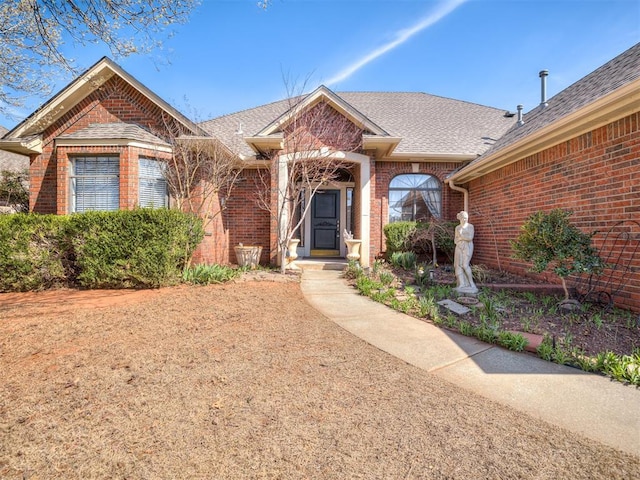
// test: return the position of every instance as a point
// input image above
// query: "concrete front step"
(321, 264)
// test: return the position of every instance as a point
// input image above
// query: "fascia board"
(260, 144)
(111, 142)
(426, 157)
(23, 147)
(384, 144)
(618, 104)
(59, 103)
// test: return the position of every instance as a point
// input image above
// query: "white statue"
(463, 254)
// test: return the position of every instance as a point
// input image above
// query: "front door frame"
(329, 223)
(363, 181)
(305, 250)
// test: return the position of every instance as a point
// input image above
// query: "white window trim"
(73, 177)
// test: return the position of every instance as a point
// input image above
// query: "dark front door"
(325, 223)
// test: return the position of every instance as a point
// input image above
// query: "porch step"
(315, 263)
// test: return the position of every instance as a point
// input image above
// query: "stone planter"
(292, 252)
(353, 249)
(248, 256)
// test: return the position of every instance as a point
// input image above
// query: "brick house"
(579, 150)
(420, 156)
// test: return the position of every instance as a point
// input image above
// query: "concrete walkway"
(589, 404)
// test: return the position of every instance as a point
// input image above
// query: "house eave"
(111, 142)
(23, 146)
(340, 105)
(383, 146)
(431, 157)
(261, 144)
(618, 104)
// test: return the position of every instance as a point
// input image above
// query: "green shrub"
(512, 341)
(365, 285)
(32, 252)
(138, 248)
(427, 307)
(416, 237)
(550, 241)
(397, 235)
(386, 278)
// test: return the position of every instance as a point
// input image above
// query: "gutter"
(464, 191)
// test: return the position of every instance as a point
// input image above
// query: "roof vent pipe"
(520, 120)
(543, 88)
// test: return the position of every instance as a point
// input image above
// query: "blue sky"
(233, 55)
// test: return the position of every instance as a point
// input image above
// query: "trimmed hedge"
(140, 248)
(32, 256)
(397, 235)
(413, 236)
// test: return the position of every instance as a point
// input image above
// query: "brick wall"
(383, 172)
(115, 101)
(243, 221)
(597, 175)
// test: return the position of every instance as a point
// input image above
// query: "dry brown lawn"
(246, 380)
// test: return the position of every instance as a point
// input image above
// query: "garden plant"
(592, 339)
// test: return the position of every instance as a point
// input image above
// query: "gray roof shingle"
(427, 124)
(116, 131)
(623, 69)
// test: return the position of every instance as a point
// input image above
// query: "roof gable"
(270, 137)
(80, 88)
(321, 94)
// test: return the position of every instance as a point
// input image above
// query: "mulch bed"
(246, 380)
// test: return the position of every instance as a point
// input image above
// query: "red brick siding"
(243, 220)
(115, 101)
(383, 172)
(597, 175)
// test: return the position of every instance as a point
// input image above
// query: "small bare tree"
(314, 138)
(201, 172)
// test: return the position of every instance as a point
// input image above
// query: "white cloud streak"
(402, 36)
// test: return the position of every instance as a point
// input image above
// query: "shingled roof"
(427, 124)
(114, 131)
(620, 71)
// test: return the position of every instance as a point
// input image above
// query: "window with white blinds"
(95, 183)
(152, 189)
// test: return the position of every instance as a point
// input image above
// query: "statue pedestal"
(464, 291)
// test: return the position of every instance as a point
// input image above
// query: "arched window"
(414, 196)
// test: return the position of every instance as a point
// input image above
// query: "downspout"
(464, 191)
